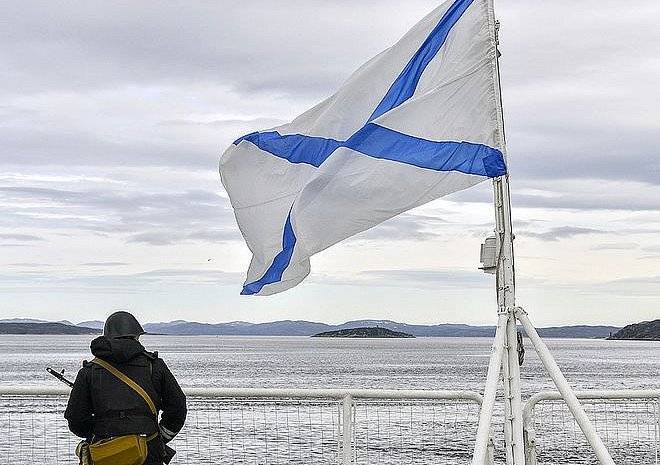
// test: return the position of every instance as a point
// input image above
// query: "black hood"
(116, 350)
(122, 324)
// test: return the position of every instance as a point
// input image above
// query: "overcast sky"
(113, 116)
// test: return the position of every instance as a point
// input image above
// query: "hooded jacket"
(101, 406)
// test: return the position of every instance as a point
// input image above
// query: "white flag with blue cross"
(415, 123)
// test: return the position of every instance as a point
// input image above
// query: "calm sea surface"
(422, 363)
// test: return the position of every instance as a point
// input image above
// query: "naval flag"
(417, 122)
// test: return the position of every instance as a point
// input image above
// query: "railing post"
(656, 431)
(347, 431)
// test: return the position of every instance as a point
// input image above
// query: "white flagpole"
(506, 282)
(506, 300)
(504, 356)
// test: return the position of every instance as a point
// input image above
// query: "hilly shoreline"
(296, 328)
(644, 331)
(44, 328)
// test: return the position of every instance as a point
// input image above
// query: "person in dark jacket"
(101, 406)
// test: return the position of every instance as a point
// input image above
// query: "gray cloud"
(140, 282)
(156, 218)
(652, 253)
(409, 278)
(587, 104)
(592, 125)
(169, 237)
(100, 44)
(76, 146)
(406, 227)
(573, 194)
(29, 265)
(103, 264)
(415, 278)
(616, 246)
(19, 237)
(647, 286)
(240, 124)
(430, 278)
(561, 232)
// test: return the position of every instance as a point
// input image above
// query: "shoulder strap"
(129, 382)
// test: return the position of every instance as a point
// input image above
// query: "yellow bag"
(123, 450)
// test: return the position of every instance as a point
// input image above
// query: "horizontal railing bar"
(333, 394)
(366, 394)
(396, 394)
(34, 391)
(620, 394)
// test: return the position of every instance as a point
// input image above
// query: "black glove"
(168, 453)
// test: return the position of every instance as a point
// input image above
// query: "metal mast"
(506, 284)
(498, 258)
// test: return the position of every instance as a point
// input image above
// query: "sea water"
(303, 362)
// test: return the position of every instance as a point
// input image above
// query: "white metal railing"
(628, 421)
(270, 426)
(329, 426)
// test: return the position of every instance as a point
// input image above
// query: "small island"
(644, 331)
(364, 333)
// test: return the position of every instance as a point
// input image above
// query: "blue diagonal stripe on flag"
(295, 148)
(404, 86)
(280, 262)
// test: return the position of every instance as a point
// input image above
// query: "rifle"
(60, 376)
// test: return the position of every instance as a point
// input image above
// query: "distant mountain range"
(308, 328)
(33, 320)
(96, 324)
